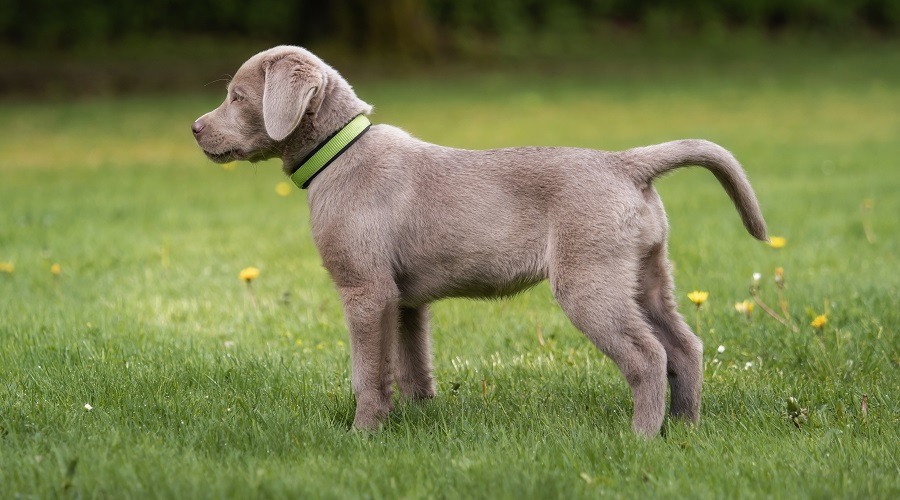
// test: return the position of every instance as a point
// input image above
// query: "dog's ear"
(290, 86)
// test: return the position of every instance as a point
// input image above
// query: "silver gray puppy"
(400, 223)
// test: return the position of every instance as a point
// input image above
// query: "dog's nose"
(197, 127)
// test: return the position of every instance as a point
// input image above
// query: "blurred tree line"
(419, 28)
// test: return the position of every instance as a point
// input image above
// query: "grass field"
(197, 393)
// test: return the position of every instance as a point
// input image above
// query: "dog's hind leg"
(599, 300)
(684, 350)
(412, 355)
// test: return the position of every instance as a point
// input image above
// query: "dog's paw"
(417, 390)
(368, 422)
(371, 416)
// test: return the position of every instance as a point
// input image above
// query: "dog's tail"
(646, 163)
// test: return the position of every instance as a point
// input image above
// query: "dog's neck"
(336, 107)
(328, 150)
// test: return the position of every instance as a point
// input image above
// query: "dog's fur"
(400, 223)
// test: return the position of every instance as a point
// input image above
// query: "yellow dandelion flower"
(249, 274)
(56, 269)
(777, 241)
(7, 267)
(698, 297)
(283, 189)
(819, 321)
(229, 166)
(744, 307)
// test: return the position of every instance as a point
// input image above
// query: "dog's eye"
(237, 97)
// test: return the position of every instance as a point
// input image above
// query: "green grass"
(196, 393)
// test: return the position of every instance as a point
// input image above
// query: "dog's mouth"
(225, 156)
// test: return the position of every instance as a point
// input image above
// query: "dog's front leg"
(412, 362)
(372, 313)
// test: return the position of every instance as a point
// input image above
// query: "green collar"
(328, 150)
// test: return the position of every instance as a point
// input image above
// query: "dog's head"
(280, 103)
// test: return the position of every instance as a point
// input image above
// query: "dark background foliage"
(89, 47)
(418, 27)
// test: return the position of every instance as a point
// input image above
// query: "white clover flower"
(721, 349)
(757, 277)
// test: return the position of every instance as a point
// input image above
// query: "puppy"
(400, 223)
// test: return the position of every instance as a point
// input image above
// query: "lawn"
(145, 369)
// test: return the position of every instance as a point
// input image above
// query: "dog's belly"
(415, 292)
(479, 276)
